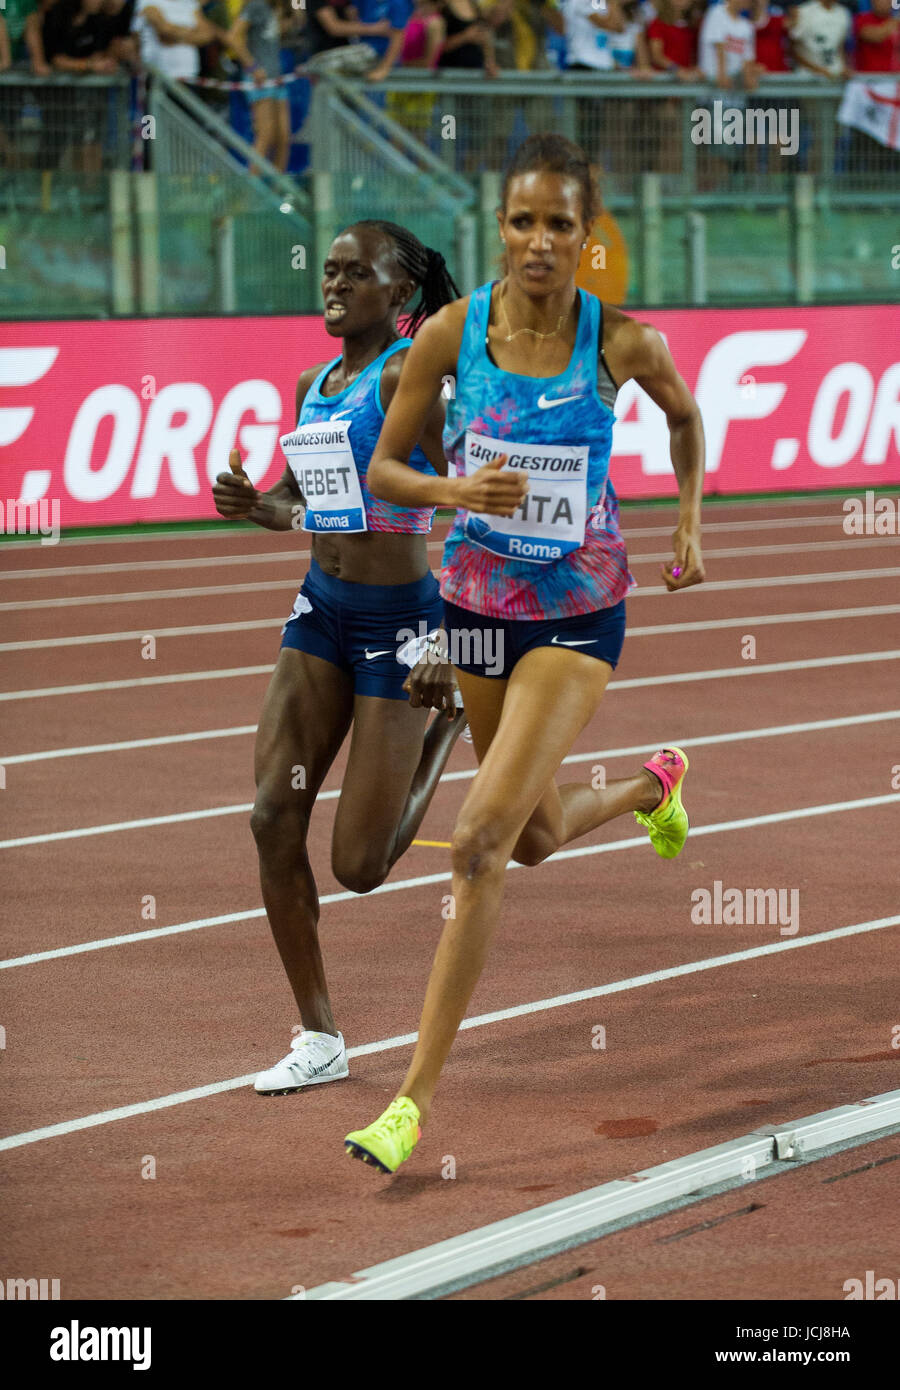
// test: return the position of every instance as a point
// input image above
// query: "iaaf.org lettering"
(77, 1343)
(45, 1289)
(839, 405)
(31, 519)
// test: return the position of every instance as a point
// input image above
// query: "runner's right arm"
(433, 357)
(279, 509)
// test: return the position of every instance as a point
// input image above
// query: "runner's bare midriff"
(373, 557)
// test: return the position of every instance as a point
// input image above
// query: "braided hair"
(424, 266)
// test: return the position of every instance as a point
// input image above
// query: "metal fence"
(117, 200)
(219, 229)
(798, 208)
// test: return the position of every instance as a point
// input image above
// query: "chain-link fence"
(115, 200)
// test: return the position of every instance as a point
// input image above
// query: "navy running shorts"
(361, 627)
(490, 647)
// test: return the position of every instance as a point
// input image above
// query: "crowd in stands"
(725, 42)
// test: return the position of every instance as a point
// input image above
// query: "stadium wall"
(130, 420)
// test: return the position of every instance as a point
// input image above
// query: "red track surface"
(253, 1197)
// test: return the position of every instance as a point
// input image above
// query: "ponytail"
(424, 266)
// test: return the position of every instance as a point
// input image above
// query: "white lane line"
(635, 683)
(559, 1001)
(627, 509)
(401, 885)
(284, 557)
(770, 581)
(773, 730)
(51, 754)
(143, 596)
(138, 634)
(210, 629)
(180, 678)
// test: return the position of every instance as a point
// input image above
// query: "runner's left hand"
(687, 558)
(430, 685)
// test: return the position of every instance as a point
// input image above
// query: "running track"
(127, 795)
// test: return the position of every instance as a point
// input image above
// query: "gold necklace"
(509, 337)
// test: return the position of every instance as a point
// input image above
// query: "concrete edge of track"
(483, 1253)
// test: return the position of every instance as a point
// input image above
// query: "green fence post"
(651, 239)
(695, 240)
(803, 232)
(147, 208)
(490, 241)
(121, 262)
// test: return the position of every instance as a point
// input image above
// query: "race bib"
(321, 459)
(550, 521)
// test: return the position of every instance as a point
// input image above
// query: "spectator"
(423, 37)
(328, 26)
(587, 39)
(15, 16)
(818, 33)
(877, 34)
(5, 49)
(389, 46)
(77, 39)
(470, 40)
(34, 39)
(627, 41)
(255, 37)
(771, 36)
(170, 33)
(123, 43)
(728, 47)
(672, 39)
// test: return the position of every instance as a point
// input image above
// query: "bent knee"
(359, 873)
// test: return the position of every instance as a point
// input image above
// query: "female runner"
(368, 588)
(535, 559)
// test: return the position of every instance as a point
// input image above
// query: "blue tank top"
(329, 454)
(562, 552)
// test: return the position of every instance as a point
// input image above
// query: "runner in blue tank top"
(535, 570)
(369, 582)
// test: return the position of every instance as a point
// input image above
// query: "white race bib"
(550, 521)
(321, 459)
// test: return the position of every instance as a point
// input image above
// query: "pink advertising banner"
(131, 420)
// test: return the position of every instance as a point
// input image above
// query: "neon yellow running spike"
(391, 1139)
(668, 825)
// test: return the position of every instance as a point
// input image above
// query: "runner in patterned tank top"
(369, 588)
(535, 569)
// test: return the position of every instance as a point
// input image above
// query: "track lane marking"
(643, 591)
(425, 880)
(814, 615)
(633, 683)
(123, 1112)
(284, 557)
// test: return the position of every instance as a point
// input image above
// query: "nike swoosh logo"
(544, 404)
(344, 415)
(370, 656)
(314, 1071)
(585, 642)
